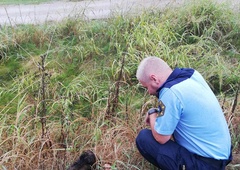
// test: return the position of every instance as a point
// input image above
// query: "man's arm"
(158, 137)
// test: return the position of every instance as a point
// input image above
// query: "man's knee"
(143, 136)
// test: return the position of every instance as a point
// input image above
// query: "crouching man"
(189, 112)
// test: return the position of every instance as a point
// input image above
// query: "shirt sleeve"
(166, 124)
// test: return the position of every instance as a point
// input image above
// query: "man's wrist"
(152, 111)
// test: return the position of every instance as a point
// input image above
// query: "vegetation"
(70, 86)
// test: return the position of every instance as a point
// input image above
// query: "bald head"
(153, 66)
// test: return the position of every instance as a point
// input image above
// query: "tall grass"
(92, 98)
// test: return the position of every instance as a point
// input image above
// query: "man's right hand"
(147, 120)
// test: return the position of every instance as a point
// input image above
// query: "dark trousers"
(172, 156)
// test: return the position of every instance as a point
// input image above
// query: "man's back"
(196, 116)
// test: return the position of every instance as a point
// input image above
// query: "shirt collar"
(178, 75)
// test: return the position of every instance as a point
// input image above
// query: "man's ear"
(153, 77)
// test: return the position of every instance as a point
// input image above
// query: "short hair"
(150, 65)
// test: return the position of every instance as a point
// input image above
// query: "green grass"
(92, 99)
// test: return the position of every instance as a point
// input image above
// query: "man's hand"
(147, 120)
(150, 112)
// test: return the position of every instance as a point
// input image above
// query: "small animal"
(86, 161)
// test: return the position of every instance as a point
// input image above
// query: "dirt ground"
(88, 9)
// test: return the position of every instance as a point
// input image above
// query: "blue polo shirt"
(193, 115)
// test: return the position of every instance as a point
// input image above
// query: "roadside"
(12, 2)
(91, 9)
